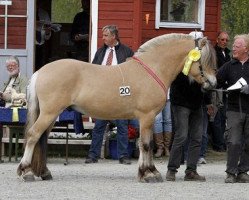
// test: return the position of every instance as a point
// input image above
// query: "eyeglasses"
(12, 65)
(224, 39)
(238, 47)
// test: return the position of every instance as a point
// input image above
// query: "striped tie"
(109, 58)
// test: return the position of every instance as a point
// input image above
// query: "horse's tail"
(33, 104)
(38, 163)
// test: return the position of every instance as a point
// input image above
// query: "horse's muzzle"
(209, 84)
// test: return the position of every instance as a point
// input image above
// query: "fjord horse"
(136, 88)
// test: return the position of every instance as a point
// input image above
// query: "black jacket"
(186, 94)
(122, 52)
(231, 72)
(221, 59)
(80, 26)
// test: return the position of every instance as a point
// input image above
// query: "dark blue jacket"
(122, 52)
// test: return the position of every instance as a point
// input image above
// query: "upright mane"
(160, 40)
(208, 57)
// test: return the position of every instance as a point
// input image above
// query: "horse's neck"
(166, 67)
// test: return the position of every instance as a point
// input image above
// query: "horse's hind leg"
(147, 171)
(27, 167)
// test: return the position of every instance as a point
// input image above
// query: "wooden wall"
(120, 13)
(212, 21)
(129, 16)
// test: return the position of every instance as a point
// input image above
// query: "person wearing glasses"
(15, 88)
(222, 51)
(219, 99)
(237, 134)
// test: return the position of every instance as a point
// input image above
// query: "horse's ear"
(203, 42)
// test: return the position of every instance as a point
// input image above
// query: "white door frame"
(94, 21)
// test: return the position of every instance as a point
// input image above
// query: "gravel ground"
(108, 179)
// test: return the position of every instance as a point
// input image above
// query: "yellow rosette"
(193, 55)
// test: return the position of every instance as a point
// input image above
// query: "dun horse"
(134, 89)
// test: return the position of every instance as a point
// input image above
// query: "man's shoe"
(125, 161)
(171, 175)
(90, 160)
(243, 178)
(202, 161)
(194, 176)
(231, 178)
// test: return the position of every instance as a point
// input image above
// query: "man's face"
(13, 68)
(222, 40)
(240, 51)
(108, 38)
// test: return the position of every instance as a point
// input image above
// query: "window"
(180, 14)
(62, 15)
(13, 24)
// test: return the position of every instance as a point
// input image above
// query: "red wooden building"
(138, 21)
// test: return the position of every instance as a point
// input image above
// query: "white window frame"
(199, 25)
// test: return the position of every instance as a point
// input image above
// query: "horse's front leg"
(147, 171)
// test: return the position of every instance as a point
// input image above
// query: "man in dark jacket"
(186, 103)
(237, 136)
(218, 126)
(222, 52)
(112, 53)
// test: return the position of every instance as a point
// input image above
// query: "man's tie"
(109, 58)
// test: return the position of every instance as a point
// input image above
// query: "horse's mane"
(208, 57)
(157, 41)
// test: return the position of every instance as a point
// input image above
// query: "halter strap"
(151, 73)
(200, 67)
(196, 43)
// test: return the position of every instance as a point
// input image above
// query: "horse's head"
(203, 70)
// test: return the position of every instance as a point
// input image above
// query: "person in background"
(112, 53)
(218, 124)
(163, 130)
(14, 89)
(43, 34)
(237, 134)
(80, 32)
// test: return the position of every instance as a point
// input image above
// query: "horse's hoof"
(28, 177)
(153, 179)
(46, 176)
(158, 177)
(150, 177)
(19, 170)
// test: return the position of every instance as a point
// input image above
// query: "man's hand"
(245, 89)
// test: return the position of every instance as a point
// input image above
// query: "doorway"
(61, 42)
